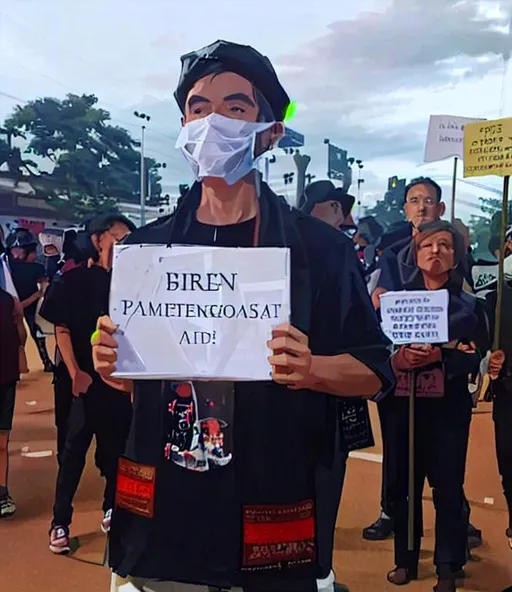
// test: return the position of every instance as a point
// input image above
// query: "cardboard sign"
(445, 137)
(488, 148)
(484, 276)
(197, 313)
(415, 317)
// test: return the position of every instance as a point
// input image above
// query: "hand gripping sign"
(197, 313)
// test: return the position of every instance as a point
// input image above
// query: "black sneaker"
(340, 587)
(7, 507)
(381, 530)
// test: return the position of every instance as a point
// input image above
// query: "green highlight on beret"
(290, 111)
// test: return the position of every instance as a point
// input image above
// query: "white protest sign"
(197, 313)
(484, 276)
(415, 317)
(445, 137)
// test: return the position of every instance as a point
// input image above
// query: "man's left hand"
(291, 357)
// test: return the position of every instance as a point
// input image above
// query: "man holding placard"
(250, 520)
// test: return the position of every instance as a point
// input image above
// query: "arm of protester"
(462, 360)
(81, 381)
(104, 354)
(20, 325)
(415, 356)
(31, 299)
(362, 367)
(496, 362)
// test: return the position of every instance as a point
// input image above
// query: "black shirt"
(9, 340)
(26, 277)
(280, 437)
(75, 300)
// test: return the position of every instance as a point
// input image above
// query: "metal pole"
(501, 274)
(142, 184)
(454, 186)
(412, 493)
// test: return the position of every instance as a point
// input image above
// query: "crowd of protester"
(69, 290)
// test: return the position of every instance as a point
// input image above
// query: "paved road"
(27, 565)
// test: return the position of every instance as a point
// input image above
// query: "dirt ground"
(28, 566)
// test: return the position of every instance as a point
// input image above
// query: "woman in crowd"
(434, 260)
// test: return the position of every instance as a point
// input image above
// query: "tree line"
(74, 156)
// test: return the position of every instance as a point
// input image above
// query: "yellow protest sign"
(488, 148)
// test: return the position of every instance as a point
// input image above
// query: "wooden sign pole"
(412, 480)
(501, 274)
(454, 186)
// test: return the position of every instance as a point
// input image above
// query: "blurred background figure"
(30, 281)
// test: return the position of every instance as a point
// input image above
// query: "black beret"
(322, 191)
(239, 59)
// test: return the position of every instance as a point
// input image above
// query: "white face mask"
(218, 146)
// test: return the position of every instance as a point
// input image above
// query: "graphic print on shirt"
(199, 425)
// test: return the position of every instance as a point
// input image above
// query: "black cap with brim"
(322, 191)
(239, 59)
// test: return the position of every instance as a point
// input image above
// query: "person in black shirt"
(13, 362)
(198, 527)
(73, 305)
(29, 279)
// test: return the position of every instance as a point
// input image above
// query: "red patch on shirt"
(278, 536)
(135, 490)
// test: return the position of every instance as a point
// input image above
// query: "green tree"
(93, 163)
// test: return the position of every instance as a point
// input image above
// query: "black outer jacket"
(280, 436)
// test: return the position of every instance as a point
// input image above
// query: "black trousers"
(36, 334)
(502, 415)
(63, 399)
(329, 488)
(103, 413)
(388, 423)
(441, 442)
(386, 409)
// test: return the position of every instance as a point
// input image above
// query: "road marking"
(31, 403)
(370, 456)
(38, 454)
(489, 501)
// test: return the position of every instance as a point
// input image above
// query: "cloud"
(358, 74)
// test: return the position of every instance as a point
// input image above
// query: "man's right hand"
(81, 382)
(104, 354)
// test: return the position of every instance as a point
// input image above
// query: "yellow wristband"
(94, 336)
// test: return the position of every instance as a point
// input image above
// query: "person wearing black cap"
(73, 304)
(324, 201)
(328, 203)
(197, 527)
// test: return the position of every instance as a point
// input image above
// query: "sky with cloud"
(366, 74)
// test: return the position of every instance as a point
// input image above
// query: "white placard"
(197, 313)
(484, 276)
(445, 137)
(415, 317)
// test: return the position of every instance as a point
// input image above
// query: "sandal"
(401, 576)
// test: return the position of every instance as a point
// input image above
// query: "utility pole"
(301, 162)
(144, 117)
